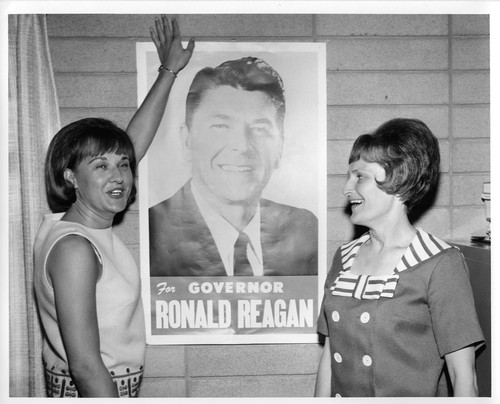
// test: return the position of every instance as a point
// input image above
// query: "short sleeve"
(322, 323)
(451, 303)
(322, 326)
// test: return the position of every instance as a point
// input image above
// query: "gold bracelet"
(167, 69)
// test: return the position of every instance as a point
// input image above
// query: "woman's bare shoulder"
(72, 253)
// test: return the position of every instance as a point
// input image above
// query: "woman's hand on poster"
(167, 40)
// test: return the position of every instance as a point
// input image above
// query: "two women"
(398, 304)
(86, 281)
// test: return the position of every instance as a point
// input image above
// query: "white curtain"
(33, 119)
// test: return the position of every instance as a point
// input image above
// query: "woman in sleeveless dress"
(86, 281)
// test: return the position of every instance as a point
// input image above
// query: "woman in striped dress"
(398, 306)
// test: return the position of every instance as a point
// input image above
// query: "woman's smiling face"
(369, 204)
(104, 183)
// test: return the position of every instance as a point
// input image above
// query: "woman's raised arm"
(173, 58)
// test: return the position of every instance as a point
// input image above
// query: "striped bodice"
(423, 247)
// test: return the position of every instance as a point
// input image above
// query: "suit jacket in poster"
(181, 243)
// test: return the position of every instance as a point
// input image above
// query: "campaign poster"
(232, 196)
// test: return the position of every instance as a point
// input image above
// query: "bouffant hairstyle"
(248, 73)
(409, 153)
(89, 137)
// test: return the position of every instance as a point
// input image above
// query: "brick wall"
(431, 67)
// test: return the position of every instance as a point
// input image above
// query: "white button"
(365, 317)
(335, 316)
(367, 361)
(338, 395)
(337, 357)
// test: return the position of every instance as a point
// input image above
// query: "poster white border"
(146, 71)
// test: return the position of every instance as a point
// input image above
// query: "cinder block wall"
(431, 67)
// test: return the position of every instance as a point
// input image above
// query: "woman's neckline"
(393, 271)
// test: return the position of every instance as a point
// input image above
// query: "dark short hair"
(248, 73)
(409, 153)
(89, 137)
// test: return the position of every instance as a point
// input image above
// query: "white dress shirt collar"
(225, 235)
